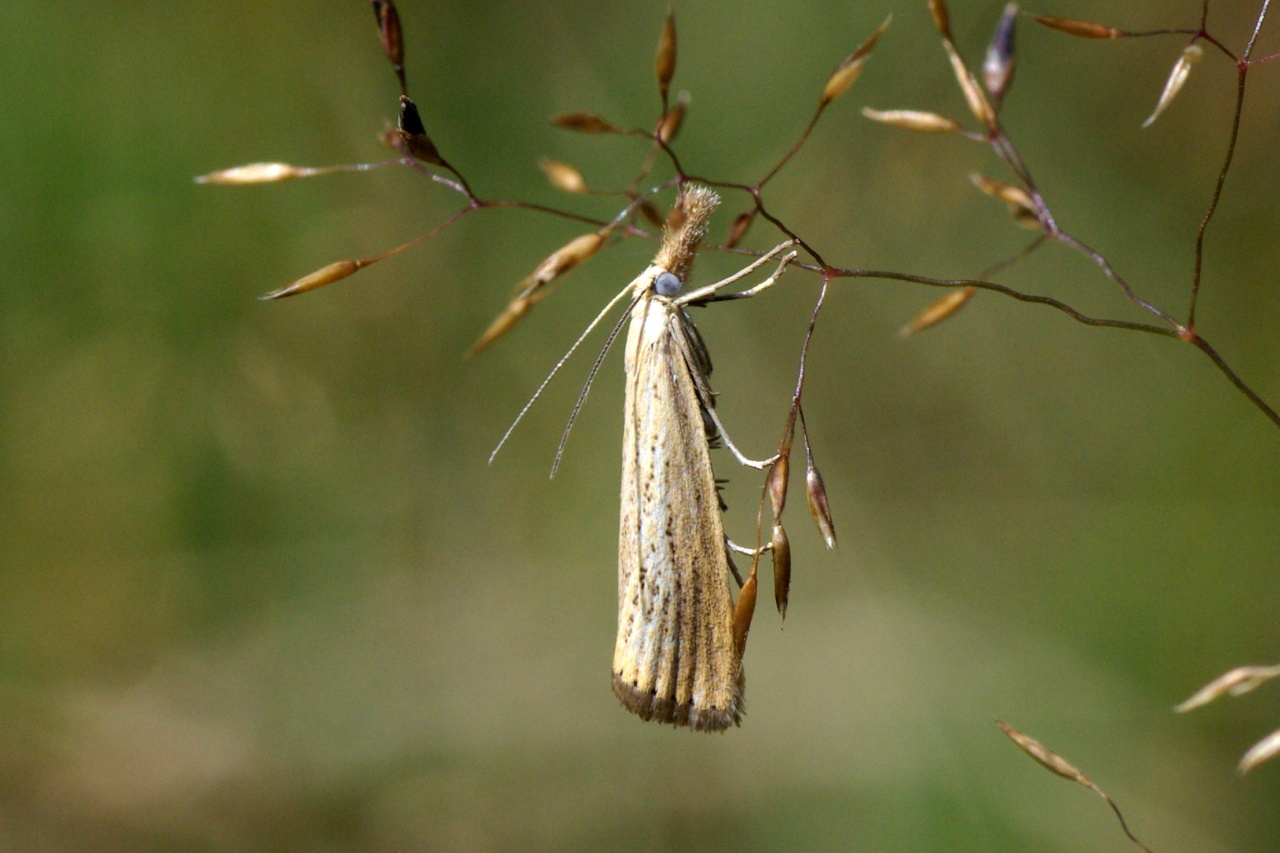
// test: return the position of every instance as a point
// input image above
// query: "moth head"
(680, 241)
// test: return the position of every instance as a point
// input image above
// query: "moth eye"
(666, 284)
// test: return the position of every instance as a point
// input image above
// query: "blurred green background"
(259, 589)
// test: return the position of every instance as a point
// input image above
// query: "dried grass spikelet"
(851, 66)
(671, 121)
(533, 288)
(1082, 29)
(922, 122)
(1263, 750)
(738, 229)
(941, 17)
(1191, 54)
(563, 176)
(325, 275)
(414, 133)
(562, 260)
(664, 61)
(389, 137)
(651, 214)
(973, 94)
(583, 123)
(1001, 58)
(675, 219)
(939, 310)
(744, 610)
(503, 323)
(819, 507)
(256, 173)
(1021, 206)
(1047, 758)
(391, 37)
(1055, 763)
(1236, 682)
(776, 484)
(780, 550)
(389, 30)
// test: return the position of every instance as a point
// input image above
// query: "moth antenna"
(559, 364)
(595, 368)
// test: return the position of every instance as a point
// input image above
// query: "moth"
(677, 658)
(678, 655)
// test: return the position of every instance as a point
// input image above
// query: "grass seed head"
(1001, 59)
(389, 32)
(941, 17)
(819, 507)
(671, 121)
(1263, 750)
(583, 123)
(744, 610)
(776, 484)
(1021, 206)
(1178, 75)
(939, 310)
(922, 122)
(1081, 29)
(563, 176)
(851, 66)
(414, 133)
(973, 95)
(664, 62)
(532, 289)
(325, 275)
(781, 552)
(738, 229)
(255, 173)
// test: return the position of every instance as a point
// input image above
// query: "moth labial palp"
(678, 657)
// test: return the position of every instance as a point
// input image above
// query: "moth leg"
(730, 547)
(750, 552)
(759, 464)
(767, 283)
(705, 294)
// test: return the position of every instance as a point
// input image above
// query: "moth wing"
(674, 660)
